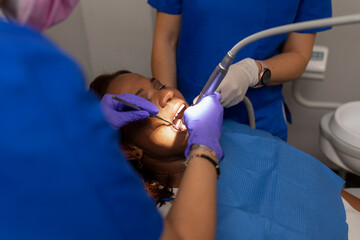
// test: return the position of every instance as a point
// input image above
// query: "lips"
(177, 115)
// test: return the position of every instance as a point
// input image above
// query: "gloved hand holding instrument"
(204, 123)
(118, 113)
(240, 77)
(223, 67)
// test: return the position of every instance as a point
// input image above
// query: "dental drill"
(222, 68)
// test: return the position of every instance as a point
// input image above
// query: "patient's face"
(154, 136)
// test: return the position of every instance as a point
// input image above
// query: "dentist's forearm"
(193, 214)
(291, 63)
(163, 58)
(163, 64)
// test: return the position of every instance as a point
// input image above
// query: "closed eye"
(156, 83)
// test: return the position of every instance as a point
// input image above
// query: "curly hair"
(158, 191)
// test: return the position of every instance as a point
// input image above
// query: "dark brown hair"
(157, 191)
(101, 83)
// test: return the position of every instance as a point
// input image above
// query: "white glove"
(240, 77)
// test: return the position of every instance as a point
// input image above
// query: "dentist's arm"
(291, 63)
(284, 67)
(163, 58)
(193, 214)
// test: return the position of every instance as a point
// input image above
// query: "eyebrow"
(152, 80)
(142, 90)
(139, 91)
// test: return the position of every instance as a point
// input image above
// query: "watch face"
(265, 79)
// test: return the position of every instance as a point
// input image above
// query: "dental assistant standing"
(192, 37)
(62, 173)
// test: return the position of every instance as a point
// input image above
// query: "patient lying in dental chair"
(267, 188)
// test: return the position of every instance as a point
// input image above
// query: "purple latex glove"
(118, 114)
(204, 123)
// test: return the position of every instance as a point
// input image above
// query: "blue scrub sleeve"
(313, 10)
(62, 175)
(167, 6)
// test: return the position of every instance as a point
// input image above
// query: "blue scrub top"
(62, 175)
(210, 28)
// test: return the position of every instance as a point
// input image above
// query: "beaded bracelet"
(216, 165)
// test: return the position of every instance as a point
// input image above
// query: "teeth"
(181, 108)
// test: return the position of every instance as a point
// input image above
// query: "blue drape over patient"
(270, 190)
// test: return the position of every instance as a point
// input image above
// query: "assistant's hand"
(204, 122)
(118, 114)
(240, 77)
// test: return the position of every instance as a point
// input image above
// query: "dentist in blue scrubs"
(192, 37)
(62, 175)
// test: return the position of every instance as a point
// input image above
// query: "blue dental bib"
(270, 190)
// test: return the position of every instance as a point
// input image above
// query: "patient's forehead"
(127, 83)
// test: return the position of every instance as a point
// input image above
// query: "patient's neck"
(172, 167)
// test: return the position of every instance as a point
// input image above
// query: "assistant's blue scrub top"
(62, 175)
(210, 28)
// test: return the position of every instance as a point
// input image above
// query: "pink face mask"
(40, 14)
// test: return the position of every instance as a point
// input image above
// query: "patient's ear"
(131, 151)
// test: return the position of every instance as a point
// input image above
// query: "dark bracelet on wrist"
(212, 161)
(205, 148)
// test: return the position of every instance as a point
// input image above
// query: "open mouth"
(177, 119)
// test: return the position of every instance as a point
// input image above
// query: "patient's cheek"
(158, 136)
(151, 123)
(161, 133)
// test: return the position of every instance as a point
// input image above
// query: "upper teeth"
(179, 110)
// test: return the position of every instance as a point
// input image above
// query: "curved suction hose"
(326, 22)
(250, 110)
(221, 70)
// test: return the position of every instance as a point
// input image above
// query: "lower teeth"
(179, 124)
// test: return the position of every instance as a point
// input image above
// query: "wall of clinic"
(116, 35)
(341, 83)
(113, 35)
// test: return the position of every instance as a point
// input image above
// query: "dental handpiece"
(216, 77)
(222, 68)
(140, 109)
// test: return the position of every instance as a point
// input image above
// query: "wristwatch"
(264, 76)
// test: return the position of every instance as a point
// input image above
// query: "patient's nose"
(166, 96)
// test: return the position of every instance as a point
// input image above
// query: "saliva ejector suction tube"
(221, 69)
